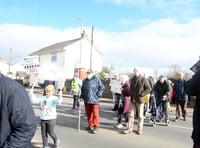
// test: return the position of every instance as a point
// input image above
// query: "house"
(67, 54)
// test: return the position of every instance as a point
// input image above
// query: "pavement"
(73, 135)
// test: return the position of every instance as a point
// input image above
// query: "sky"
(152, 34)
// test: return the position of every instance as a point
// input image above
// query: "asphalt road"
(176, 135)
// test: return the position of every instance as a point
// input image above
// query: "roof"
(54, 47)
(196, 67)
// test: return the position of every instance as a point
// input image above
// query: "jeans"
(47, 128)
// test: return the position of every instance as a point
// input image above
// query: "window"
(53, 56)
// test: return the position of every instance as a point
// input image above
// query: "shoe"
(184, 118)
(118, 125)
(177, 119)
(128, 131)
(46, 147)
(139, 132)
(72, 109)
(95, 130)
(89, 128)
(57, 143)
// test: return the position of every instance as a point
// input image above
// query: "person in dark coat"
(192, 88)
(139, 87)
(161, 92)
(181, 98)
(17, 118)
(92, 89)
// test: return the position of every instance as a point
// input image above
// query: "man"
(192, 89)
(75, 90)
(91, 90)
(139, 87)
(17, 119)
(180, 96)
(161, 92)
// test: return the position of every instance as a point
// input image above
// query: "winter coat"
(192, 88)
(139, 87)
(126, 96)
(17, 118)
(91, 90)
(179, 91)
(162, 89)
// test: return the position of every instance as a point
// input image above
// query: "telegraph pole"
(9, 62)
(91, 47)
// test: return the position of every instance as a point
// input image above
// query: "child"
(48, 113)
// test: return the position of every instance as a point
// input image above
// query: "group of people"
(132, 102)
(18, 121)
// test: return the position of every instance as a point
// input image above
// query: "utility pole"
(9, 62)
(91, 47)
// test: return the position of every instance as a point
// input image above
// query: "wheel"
(167, 123)
(154, 123)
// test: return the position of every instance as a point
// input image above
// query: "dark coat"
(162, 89)
(179, 91)
(192, 88)
(91, 90)
(139, 87)
(17, 118)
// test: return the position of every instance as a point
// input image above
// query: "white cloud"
(156, 45)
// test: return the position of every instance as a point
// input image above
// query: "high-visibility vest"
(75, 85)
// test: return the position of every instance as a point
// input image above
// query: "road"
(176, 135)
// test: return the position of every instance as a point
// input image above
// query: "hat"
(89, 71)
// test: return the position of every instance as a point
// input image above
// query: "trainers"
(95, 130)
(118, 125)
(177, 119)
(128, 131)
(72, 108)
(57, 143)
(139, 132)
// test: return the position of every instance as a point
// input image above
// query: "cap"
(89, 71)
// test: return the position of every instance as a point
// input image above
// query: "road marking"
(187, 128)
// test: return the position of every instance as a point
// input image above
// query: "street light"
(81, 36)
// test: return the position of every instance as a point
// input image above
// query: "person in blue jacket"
(17, 118)
(92, 89)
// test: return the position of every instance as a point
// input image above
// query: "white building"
(67, 54)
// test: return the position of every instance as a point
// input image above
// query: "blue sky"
(149, 33)
(110, 15)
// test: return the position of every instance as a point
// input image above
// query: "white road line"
(176, 126)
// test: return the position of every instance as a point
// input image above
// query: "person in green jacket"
(75, 91)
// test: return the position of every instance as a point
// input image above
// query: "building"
(67, 54)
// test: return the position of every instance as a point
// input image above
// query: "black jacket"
(192, 88)
(17, 118)
(179, 91)
(91, 90)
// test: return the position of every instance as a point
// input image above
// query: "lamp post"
(80, 64)
(81, 36)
